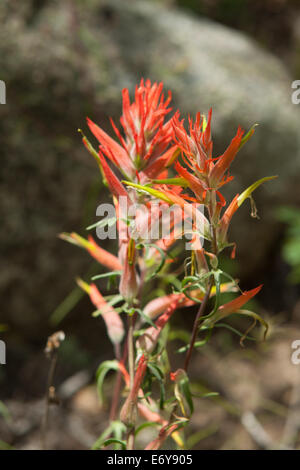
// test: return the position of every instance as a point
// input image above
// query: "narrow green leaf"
(153, 192)
(101, 373)
(177, 181)
(98, 443)
(114, 441)
(159, 375)
(247, 193)
(147, 424)
(162, 262)
(102, 223)
(110, 274)
(199, 436)
(256, 317)
(185, 387)
(237, 332)
(248, 135)
(146, 318)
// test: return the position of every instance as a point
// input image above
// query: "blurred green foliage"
(291, 247)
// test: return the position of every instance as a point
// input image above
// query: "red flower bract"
(146, 135)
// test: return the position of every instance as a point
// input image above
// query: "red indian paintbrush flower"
(197, 146)
(102, 256)
(144, 146)
(129, 283)
(128, 410)
(113, 322)
(147, 145)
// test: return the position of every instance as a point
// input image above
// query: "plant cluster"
(158, 164)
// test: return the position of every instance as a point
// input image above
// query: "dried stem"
(48, 400)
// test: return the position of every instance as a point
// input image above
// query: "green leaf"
(248, 135)
(114, 441)
(72, 299)
(113, 299)
(198, 344)
(103, 369)
(185, 387)
(110, 274)
(177, 181)
(182, 335)
(151, 191)
(159, 375)
(255, 317)
(146, 318)
(210, 394)
(162, 262)
(217, 278)
(197, 437)
(103, 222)
(66, 306)
(147, 424)
(116, 428)
(98, 443)
(237, 332)
(247, 193)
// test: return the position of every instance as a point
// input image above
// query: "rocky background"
(65, 60)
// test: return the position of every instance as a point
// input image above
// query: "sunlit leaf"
(248, 135)
(247, 193)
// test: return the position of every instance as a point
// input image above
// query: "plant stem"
(115, 398)
(214, 247)
(131, 351)
(48, 398)
(130, 439)
(196, 325)
(131, 431)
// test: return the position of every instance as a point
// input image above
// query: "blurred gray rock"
(208, 65)
(63, 60)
